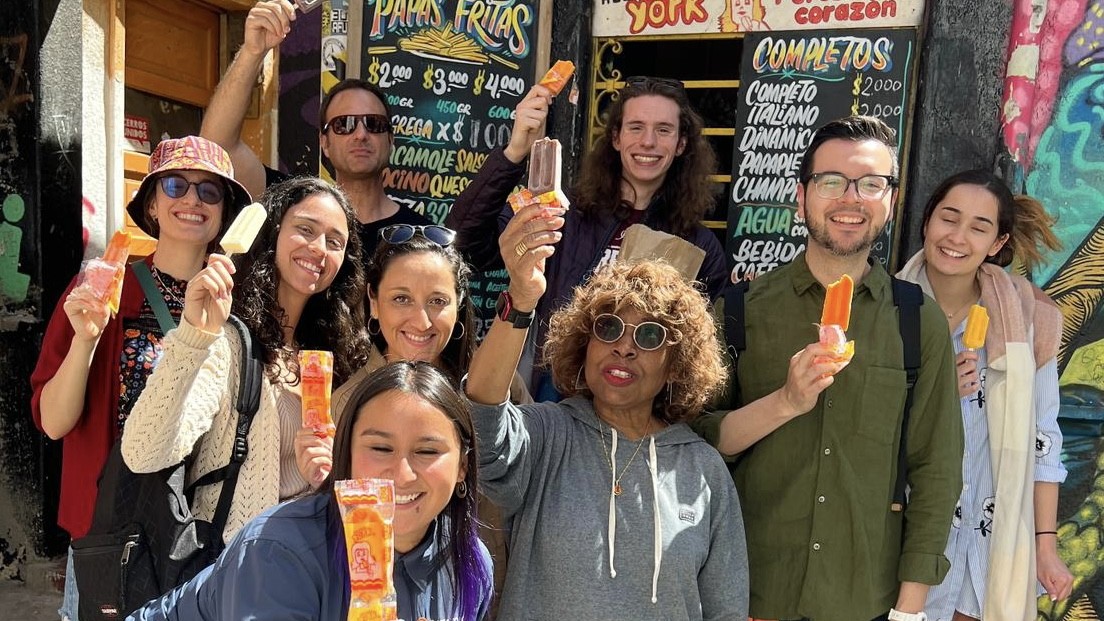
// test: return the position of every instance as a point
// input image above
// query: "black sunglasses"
(346, 124)
(648, 335)
(645, 80)
(402, 233)
(175, 186)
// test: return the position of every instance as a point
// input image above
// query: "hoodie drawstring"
(657, 523)
(612, 506)
(657, 528)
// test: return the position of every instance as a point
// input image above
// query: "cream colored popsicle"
(545, 169)
(977, 324)
(239, 237)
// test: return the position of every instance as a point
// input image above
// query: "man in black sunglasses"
(651, 166)
(354, 121)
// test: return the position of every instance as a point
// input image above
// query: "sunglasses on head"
(648, 335)
(645, 80)
(346, 124)
(402, 233)
(175, 186)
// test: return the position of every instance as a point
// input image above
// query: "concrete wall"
(958, 98)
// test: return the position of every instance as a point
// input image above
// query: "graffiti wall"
(1053, 124)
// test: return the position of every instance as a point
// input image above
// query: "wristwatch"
(505, 310)
(897, 615)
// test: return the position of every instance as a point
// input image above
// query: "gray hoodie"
(669, 547)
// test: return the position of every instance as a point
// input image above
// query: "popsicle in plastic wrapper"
(977, 324)
(545, 170)
(316, 377)
(239, 237)
(556, 78)
(835, 318)
(104, 276)
(367, 513)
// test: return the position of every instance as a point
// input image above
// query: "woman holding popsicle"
(651, 166)
(405, 422)
(1003, 541)
(618, 510)
(299, 287)
(97, 353)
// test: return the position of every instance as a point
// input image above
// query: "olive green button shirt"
(822, 540)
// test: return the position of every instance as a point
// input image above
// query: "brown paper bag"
(642, 242)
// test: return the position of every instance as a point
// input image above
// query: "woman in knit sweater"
(300, 287)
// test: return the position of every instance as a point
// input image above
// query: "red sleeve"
(55, 344)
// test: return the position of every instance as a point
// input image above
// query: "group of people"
(659, 476)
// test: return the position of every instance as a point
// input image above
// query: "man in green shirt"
(819, 439)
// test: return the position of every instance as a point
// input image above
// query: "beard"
(818, 232)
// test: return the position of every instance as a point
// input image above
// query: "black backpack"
(907, 297)
(144, 540)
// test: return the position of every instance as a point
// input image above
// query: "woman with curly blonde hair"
(636, 351)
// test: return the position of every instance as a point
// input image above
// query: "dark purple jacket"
(481, 212)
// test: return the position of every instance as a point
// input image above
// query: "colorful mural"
(1053, 120)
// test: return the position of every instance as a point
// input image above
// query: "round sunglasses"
(647, 335)
(175, 186)
(402, 233)
(346, 124)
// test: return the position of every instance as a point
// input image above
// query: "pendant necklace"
(613, 473)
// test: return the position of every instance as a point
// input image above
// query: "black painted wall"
(957, 110)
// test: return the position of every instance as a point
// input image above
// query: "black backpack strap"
(153, 296)
(907, 297)
(735, 335)
(248, 401)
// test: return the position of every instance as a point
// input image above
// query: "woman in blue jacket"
(405, 422)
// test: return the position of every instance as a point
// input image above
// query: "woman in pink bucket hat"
(92, 365)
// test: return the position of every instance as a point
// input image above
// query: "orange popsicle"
(367, 513)
(977, 324)
(837, 303)
(105, 275)
(316, 375)
(556, 78)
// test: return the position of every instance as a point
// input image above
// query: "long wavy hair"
(332, 320)
(457, 534)
(457, 354)
(1022, 218)
(655, 289)
(686, 190)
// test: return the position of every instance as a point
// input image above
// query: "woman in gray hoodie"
(618, 510)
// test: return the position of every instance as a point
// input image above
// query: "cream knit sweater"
(189, 399)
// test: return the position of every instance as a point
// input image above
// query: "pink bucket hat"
(189, 153)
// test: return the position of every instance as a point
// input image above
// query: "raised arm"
(265, 28)
(476, 214)
(525, 245)
(61, 399)
(192, 382)
(807, 377)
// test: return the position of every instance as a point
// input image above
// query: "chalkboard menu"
(453, 71)
(791, 84)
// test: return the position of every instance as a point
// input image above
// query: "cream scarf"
(1025, 328)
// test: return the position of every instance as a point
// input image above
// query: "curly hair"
(460, 543)
(657, 291)
(686, 190)
(332, 320)
(457, 354)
